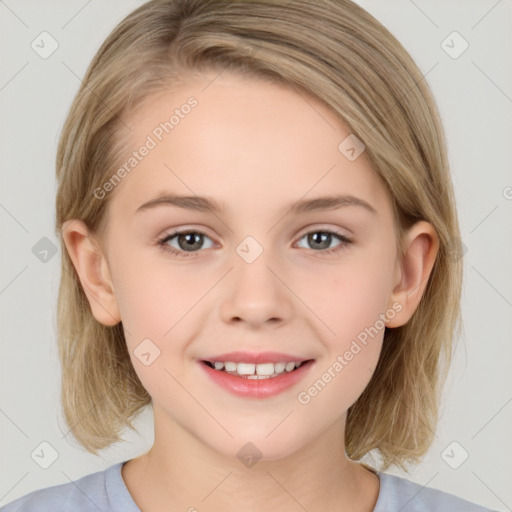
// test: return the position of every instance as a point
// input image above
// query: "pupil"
(313, 238)
(190, 240)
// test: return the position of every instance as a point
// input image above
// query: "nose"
(256, 294)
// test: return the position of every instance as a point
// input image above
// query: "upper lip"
(256, 357)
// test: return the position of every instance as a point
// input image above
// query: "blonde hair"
(339, 54)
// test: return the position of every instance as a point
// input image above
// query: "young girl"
(258, 229)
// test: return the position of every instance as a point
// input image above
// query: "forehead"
(243, 141)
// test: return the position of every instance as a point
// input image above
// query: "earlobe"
(421, 248)
(92, 269)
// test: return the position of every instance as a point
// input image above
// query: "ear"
(92, 268)
(421, 245)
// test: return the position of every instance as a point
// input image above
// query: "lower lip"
(257, 388)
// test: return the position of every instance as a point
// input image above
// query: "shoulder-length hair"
(336, 52)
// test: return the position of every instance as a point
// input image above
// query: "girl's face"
(252, 280)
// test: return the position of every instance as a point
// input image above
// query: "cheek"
(153, 294)
(351, 302)
(159, 311)
(350, 297)
(354, 309)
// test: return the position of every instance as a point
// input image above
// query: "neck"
(180, 470)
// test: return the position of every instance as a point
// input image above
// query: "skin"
(256, 147)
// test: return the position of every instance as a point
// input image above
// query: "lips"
(257, 385)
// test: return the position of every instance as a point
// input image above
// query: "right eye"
(186, 239)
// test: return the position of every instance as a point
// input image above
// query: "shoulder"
(87, 494)
(398, 493)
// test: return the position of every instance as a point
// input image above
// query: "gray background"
(474, 94)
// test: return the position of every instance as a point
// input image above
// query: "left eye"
(189, 241)
(326, 236)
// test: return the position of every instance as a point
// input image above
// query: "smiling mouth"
(256, 371)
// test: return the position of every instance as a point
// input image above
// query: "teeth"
(256, 371)
(245, 368)
(264, 369)
(279, 367)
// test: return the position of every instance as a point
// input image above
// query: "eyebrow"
(205, 204)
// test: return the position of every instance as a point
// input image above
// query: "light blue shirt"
(106, 491)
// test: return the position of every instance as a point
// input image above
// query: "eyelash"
(162, 243)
